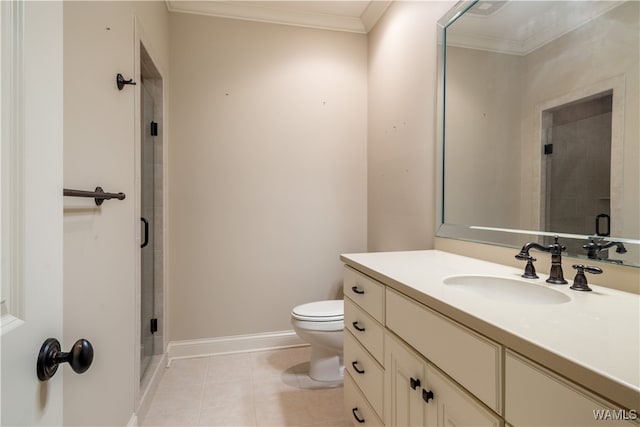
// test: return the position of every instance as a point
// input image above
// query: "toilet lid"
(320, 311)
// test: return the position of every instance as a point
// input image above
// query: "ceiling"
(356, 16)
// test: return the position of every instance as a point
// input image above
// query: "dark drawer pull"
(355, 366)
(355, 415)
(357, 290)
(427, 395)
(355, 325)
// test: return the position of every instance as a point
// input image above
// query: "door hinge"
(154, 129)
(154, 326)
(548, 148)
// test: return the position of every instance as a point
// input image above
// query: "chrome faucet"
(594, 247)
(555, 249)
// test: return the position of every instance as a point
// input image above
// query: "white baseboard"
(232, 344)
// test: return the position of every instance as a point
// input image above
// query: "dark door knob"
(50, 356)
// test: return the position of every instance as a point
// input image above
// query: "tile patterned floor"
(269, 388)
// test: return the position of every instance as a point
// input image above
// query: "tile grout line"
(253, 397)
(203, 388)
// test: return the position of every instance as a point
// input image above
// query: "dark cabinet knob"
(414, 383)
(427, 395)
(79, 358)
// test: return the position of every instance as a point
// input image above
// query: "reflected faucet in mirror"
(556, 275)
(593, 248)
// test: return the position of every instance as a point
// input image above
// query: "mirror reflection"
(540, 124)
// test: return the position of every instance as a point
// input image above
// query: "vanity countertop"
(593, 340)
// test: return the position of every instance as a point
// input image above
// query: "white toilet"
(321, 324)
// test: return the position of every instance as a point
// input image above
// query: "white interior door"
(31, 207)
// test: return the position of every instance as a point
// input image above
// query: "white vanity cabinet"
(477, 362)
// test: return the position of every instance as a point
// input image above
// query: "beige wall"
(267, 171)
(100, 244)
(401, 126)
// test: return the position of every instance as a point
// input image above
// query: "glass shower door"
(147, 222)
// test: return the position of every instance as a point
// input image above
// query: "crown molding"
(374, 12)
(277, 14)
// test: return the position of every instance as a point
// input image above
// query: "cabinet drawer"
(365, 328)
(365, 292)
(471, 360)
(359, 411)
(365, 371)
(536, 396)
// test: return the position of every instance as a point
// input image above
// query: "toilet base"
(325, 365)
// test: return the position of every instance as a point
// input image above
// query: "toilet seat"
(320, 311)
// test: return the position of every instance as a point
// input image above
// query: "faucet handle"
(592, 249)
(580, 281)
(529, 269)
(557, 246)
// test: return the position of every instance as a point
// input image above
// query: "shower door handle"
(145, 240)
(607, 231)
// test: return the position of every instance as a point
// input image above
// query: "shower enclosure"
(151, 218)
(578, 167)
(148, 328)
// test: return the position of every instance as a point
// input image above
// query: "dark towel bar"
(98, 195)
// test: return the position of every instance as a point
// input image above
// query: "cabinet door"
(403, 381)
(452, 406)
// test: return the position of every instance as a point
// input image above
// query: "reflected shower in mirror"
(538, 121)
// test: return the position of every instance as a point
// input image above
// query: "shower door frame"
(147, 262)
(143, 394)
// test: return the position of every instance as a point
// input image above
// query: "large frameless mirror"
(538, 119)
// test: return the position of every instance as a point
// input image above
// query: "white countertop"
(593, 339)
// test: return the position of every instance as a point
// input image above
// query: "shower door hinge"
(154, 129)
(548, 148)
(154, 326)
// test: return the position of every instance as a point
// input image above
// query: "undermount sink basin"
(505, 289)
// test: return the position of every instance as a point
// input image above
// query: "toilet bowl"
(321, 324)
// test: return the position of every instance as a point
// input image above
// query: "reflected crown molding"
(520, 31)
